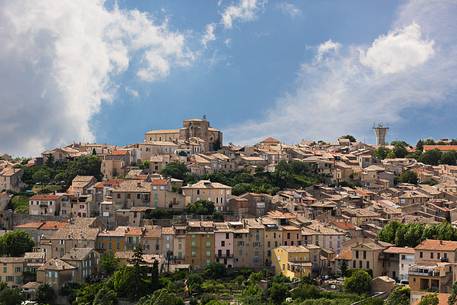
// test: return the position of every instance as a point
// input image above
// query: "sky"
(107, 71)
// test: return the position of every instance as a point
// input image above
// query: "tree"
(252, 295)
(278, 293)
(109, 263)
(399, 296)
(359, 282)
(201, 207)
(420, 145)
(11, 296)
(215, 270)
(161, 297)
(105, 296)
(430, 299)
(381, 152)
(400, 150)
(194, 282)
(388, 232)
(15, 243)
(305, 291)
(449, 158)
(41, 176)
(408, 177)
(349, 137)
(45, 294)
(431, 157)
(344, 268)
(175, 170)
(391, 155)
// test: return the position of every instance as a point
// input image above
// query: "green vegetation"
(430, 299)
(359, 282)
(408, 177)
(349, 137)
(201, 207)
(10, 296)
(108, 263)
(15, 243)
(412, 234)
(45, 294)
(294, 174)
(453, 296)
(61, 173)
(20, 204)
(399, 296)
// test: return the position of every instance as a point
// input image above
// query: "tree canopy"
(359, 282)
(15, 243)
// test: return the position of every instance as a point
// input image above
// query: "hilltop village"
(185, 218)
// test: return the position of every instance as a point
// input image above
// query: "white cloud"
(209, 34)
(245, 10)
(290, 9)
(359, 85)
(325, 48)
(397, 51)
(58, 60)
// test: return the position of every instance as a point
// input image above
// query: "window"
(227, 235)
(431, 255)
(222, 243)
(368, 265)
(138, 196)
(403, 256)
(421, 254)
(357, 254)
(17, 269)
(128, 196)
(364, 254)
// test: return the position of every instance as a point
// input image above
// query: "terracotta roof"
(442, 245)
(440, 147)
(345, 254)
(53, 225)
(77, 254)
(159, 181)
(57, 265)
(30, 225)
(119, 153)
(270, 140)
(400, 250)
(344, 225)
(44, 197)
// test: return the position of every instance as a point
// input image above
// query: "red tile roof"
(45, 197)
(440, 147)
(442, 245)
(159, 182)
(119, 152)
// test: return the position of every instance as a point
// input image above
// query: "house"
(224, 244)
(10, 178)
(131, 193)
(215, 192)
(85, 260)
(433, 251)
(45, 204)
(12, 270)
(163, 196)
(367, 254)
(80, 185)
(397, 261)
(56, 273)
(199, 245)
(292, 261)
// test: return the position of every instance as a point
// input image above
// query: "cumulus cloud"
(289, 9)
(58, 60)
(245, 10)
(209, 34)
(413, 65)
(398, 51)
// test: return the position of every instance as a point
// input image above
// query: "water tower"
(380, 132)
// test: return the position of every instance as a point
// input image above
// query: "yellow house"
(292, 261)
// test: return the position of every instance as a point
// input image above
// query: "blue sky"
(107, 71)
(248, 75)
